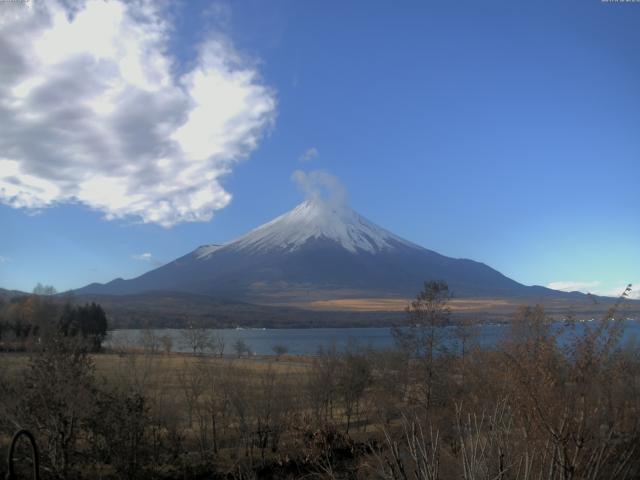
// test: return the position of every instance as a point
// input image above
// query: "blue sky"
(506, 132)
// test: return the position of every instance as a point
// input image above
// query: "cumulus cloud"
(319, 185)
(92, 112)
(573, 286)
(309, 155)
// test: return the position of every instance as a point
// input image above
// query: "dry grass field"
(400, 304)
(179, 391)
(481, 309)
(113, 366)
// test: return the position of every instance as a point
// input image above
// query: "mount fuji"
(318, 250)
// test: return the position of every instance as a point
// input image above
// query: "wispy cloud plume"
(4, 259)
(574, 286)
(319, 185)
(92, 112)
(309, 155)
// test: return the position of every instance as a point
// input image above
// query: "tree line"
(29, 320)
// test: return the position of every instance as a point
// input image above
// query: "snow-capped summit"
(319, 220)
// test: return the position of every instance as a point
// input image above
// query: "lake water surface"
(302, 341)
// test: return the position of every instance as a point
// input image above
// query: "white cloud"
(146, 257)
(595, 287)
(573, 286)
(309, 155)
(92, 112)
(619, 289)
(4, 259)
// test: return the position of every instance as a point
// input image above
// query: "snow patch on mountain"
(320, 220)
(206, 250)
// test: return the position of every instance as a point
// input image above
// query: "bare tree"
(241, 347)
(167, 344)
(413, 455)
(280, 350)
(149, 340)
(217, 401)
(390, 381)
(466, 334)
(217, 344)
(41, 289)
(423, 336)
(354, 376)
(59, 393)
(196, 337)
(269, 407)
(118, 432)
(322, 384)
(191, 381)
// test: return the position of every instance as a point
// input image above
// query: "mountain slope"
(8, 294)
(318, 250)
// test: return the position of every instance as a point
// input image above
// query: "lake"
(302, 341)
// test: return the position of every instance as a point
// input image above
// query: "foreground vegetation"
(531, 408)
